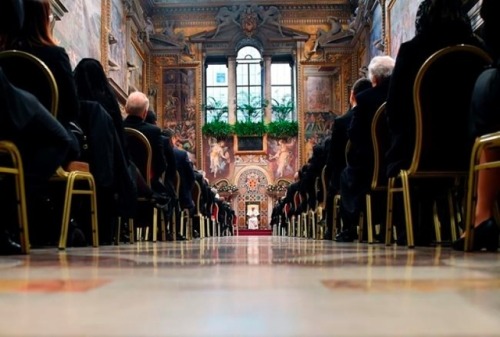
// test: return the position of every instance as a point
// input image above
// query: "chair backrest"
(215, 211)
(380, 142)
(196, 193)
(140, 152)
(29, 73)
(442, 93)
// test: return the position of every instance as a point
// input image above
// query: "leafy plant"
(283, 129)
(219, 130)
(216, 110)
(250, 128)
(282, 126)
(251, 107)
(282, 110)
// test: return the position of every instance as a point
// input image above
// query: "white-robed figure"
(253, 218)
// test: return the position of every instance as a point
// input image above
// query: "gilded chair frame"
(378, 184)
(486, 142)
(16, 169)
(13, 60)
(197, 204)
(146, 172)
(415, 171)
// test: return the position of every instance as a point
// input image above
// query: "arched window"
(249, 90)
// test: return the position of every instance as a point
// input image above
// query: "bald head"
(137, 104)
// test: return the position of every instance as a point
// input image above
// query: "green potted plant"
(282, 126)
(250, 122)
(217, 115)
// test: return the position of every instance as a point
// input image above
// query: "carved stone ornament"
(249, 22)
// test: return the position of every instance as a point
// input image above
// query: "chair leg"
(118, 231)
(369, 218)
(131, 233)
(453, 217)
(407, 207)
(437, 224)
(388, 215)
(93, 212)
(361, 222)
(163, 227)
(66, 211)
(22, 213)
(155, 224)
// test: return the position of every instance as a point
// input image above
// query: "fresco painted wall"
(376, 31)
(79, 31)
(117, 51)
(179, 112)
(135, 75)
(401, 22)
(218, 158)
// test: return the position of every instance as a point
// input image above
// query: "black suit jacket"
(186, 173)
(400, 110)
(360, 154)
(336, 154)
(153, 134)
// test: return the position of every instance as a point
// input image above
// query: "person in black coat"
(137, 107)
(116, 191)
(355, 178)
(336, 150)
(92, 84)
(485, 118)
(439, 23)
(24, 119)
(36, 38)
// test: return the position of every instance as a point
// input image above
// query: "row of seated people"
(439, 24)
(89, 130)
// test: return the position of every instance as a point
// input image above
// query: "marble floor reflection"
(250, 286)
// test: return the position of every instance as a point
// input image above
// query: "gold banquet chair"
(196, 191)
(486, 142)
(29, 73)
(141, 154)
(439, 154)
(380, 140)
(16, 169)
(186, 223)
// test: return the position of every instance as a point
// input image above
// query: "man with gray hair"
(137, 107)
(356, 177)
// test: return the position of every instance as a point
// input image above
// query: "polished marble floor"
(250, 286)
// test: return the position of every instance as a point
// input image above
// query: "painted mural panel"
(136, 68)
(282, 157)
(376, 39)
(319, 94)
(79, 32)
(218, 158)
(117, 49)
(401, 15)
(179, 109)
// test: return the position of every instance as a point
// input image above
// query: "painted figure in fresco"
(253, 218)
(283, 156)
(219, 156)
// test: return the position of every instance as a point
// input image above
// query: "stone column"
(231, 92)
(267, 88)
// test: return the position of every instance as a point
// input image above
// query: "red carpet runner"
(255, 232)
